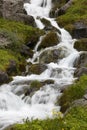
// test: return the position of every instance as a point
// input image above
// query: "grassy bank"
(76, 119)
(13, 35)
(77, 12)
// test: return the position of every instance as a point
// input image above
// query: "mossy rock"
(54, 55)
(73, 92)
(37, 68)
(81, 45)
(77, 12)
(51, 39)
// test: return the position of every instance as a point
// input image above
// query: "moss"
(75, 119)
(81, 45)
(6, 56)
(77, 12)
(23, 32)
(50, 39)
(74, 92)
(35, 84)
(14, 35)
(45, 22)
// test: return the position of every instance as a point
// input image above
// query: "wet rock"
(48, 81)
(80, 71)
(26, 51)
(12, 68)
(3, 77)
(81, 61)
(53, 55)
(81, 44)
(37, 68)
(51, 39)
(80, 30)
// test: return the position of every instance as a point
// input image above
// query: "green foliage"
(14, 34)
(77, 12)
(23, 32)
(36, 84)
(75, 91)
(75, 119)
(5, 57)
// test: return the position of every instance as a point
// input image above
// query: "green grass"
(77, 12)
(74, 92)
(16, 34)
(23, 32)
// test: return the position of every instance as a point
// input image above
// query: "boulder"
(51, 39)
(26, 51)
(81, 44)
(13, 10)
(81, 61)
(3, 77)
(37, 68)
(12, 68)
(80, 71)
(53, 55)
(80, 30)
(11, 7)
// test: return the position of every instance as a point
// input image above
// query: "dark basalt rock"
(3, 77)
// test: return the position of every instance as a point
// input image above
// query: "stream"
(13, 107)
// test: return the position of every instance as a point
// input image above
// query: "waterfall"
(13, 106)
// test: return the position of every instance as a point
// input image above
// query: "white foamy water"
(13, 106)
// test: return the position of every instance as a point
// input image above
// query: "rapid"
(13, 107)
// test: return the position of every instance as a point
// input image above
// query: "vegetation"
(77, 12)
(13, 35)
(75, 119)
(74, 92)
(35, 84)
(50, 39)
(81, 45)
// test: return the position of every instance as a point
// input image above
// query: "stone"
(51, 39)
(80, 30)
(26, 51)
(12, 68)
(80, 71)
(81, 61)
(14, 10)
(85, 96)
(53, 55)
(37, 68)
(3, 77)
(81, 44)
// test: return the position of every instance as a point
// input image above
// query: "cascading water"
(13, 107)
